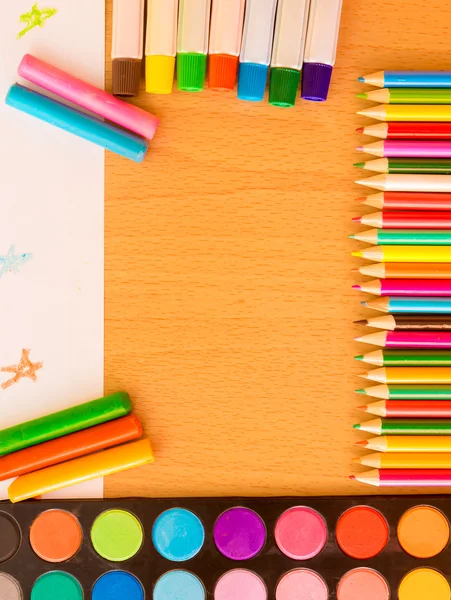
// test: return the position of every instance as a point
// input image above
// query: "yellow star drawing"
(35, 18)
(25, 368)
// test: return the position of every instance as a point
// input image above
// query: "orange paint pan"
(70, 446)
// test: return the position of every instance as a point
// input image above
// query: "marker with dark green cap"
(192, 44)
(288, 52)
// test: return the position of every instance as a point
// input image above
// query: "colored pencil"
(409, 375)
(395, 182)
(408, 392)
(409, 322)
(434, 340)
(407, 220)
(406, 478)
(408, 443)
(408, 149)
(404, 237)
(408, 79)
(407, 271)
(408, 130)
(415, 166)
(403, 287)
(408, 96)
(411, 304)
(388, 357)
(406, 253)
(406, 426)
(413, 409)
(408, 112)
(408, 201)
(70, 446)
(81, 469)
(401, 460)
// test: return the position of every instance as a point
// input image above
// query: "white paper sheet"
(51, 199)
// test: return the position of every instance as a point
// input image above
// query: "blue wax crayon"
(98, 132)
(426, 305)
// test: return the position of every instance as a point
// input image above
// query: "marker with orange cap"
(192, 44)
(226, 30)
(161, 45)
(288, 51)
(256, 49)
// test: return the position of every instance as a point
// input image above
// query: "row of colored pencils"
(410, 241)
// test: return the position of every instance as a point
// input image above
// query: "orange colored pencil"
(70, 446)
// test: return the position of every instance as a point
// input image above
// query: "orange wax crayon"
(70, 446)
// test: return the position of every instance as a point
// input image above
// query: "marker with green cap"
(192, 44)
(288, 51)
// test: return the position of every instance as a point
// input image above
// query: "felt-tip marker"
(128, 46)
(256, 49)
(226, 31)
(192, 44)
(288, 51)
(161, 45)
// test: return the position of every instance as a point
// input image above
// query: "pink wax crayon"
(88, 96)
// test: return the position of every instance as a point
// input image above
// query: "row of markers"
(411, 242)
(240, 38)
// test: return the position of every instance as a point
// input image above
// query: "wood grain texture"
(228, 273)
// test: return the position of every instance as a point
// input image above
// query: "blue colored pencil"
(89, 128)
(409, 79)
(411, 304)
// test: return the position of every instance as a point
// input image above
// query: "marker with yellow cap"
(192, 44)
(288, 51)
(161, 45)
(226, 31)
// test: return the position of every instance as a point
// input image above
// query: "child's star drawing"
(25, 368)
(35, 18)
(12, 261)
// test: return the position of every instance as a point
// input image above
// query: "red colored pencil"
(408, 201)
(409, 409)
(408, 130)
(407, 220)
(406, 477)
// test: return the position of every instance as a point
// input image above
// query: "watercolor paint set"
(317, 548)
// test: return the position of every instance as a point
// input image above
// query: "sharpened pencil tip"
(364, 303)
(356, 461)
(360, 149)
(357, 253)
(351, 236)
(358, 357)
(360, 165)
(362, 376)
(361, 199)
(356, 426)
(364, 408)
(356, 270)
(361, 391)
(363, 96)
(362, 322)
(356, 287)
(361, 112)
(352, 477)
(361, 79)
(360, 129)
(363, 443)
(356, 219)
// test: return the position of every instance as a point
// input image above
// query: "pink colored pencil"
(409, 148)
(406, 477)
(406, 287)
(434, 340)
(88, 96)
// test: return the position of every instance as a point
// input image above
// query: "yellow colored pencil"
(406, 254)
(409, 375)
(405, 460)
(409, 443)
(408, 112)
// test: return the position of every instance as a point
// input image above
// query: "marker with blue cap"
(256, 49)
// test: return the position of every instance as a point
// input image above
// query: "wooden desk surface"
(228, 303)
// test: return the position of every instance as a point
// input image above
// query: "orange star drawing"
(25, 368)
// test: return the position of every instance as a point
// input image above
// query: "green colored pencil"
(404, 237)
(418, 166)
(408, 392)
(407, 358)
(408, 96)
(406, 426)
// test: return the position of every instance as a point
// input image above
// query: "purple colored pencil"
(409, 148)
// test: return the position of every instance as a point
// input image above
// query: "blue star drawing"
(12, 262)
